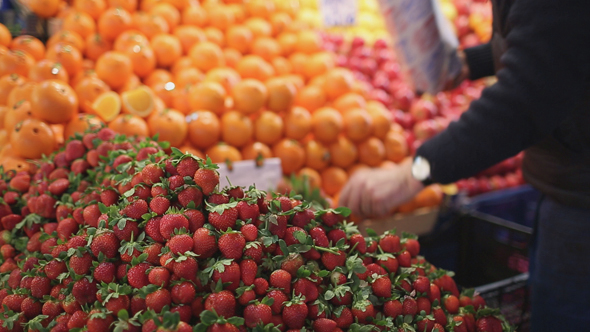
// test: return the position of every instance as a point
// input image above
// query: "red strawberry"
(409, 307)
(404, 259)
(236, 192)
(40, 286)
(158, 190)
(390, 243)
(223, 218)
(292, 263)
(331, 261)
(224, 303)
(190, 194)
(152, 229)
(159, 205)
(205, 243)
(187, 167)
(281, 279)
(84, 291)
(107, 243)
(290, 238)
(248, 211)
(78, 320)
(422, 284)
(196, 219)
(223, 327)
(319, 237)
(359, 241)
(31, 308)
(451, 304)
(228, 271)
(218, 198)
(248, 270)
(465, 301)
(181, 243)
(81, 264)
(306, 288)
(79, 166)
(424, 305)
(122, 159)
(278, 225)
(14, 301)
(488, 324)
(66, 228)
(45, 206)
(324, 325)
(426, 324)
(74, 149)
(247, 296)
(478, 302)
(171, 222)
(330, 218)
(336, 235)
(144, 153)
(105, 272)
(206, 179)
(158, 300)
(153, 251)
(186, 269)
(302, 218)
(136, 209)
(253, 250)
(382, 287)
(58, 186)
(232, 244)
(137, 277)
(314, 312)
(260, 286)
(412, 246)
(434, 293)
(116, 304)
(362, 310)
(345, 319)
(159, 276)
(250, 232)
(183, 293)
(279, 298)
(392, 308)
(109, 197)
(99, 321)
(257, 313)
(294, 313)
(175, 182)
(151, 174)
(439, 316)
(54, 268)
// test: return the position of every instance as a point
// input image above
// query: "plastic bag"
(424, 41)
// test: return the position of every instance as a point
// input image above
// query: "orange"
(227, 77)
(129, 39)
(253, 66)
(297, 123)
(158, 76)
(16, 114)
(308, 42)
(298, 61)
(129, 5)
(54, 101)
(290, 7)
(296, 80)
(20, 93)
(48, 70)
(326, 124)
(429, 196)
(268, 128)
(256, 150)
(130, 125)
(143, 60)
(317, 155)
(107, 106)
(319, 64)
(3, 111)
(208, 96)
(95, 46)
(29, 44)
(58, 133)
(81, 123)
(87, 90)
(333, 179)
(339, 81)
(165, 92)
(358, 124)
(167, 49)
(168, 12)
(182, 4)
(371, 152)
(32, 138)
(288, 42)
(186, 148)
(189, 36)
(16, 62)
(343, 152)
(189, 76)
(355, 168)
(239, 37)
(69, 57)
(319, 81)
(349, 101)
(292, 155)
(44, 8)
(236, 129)
(281, 94)
(132, 82)
(5, 36)
(238, 11)
(249, 96)
(206, 56)
(15, 163)
(80, 23)
(94, 8)
(183, 63)
(180, 100)
(312, 177)
(138, 101)
(280, 22)
(259, 27)
(221, 17)
(260, 8)
(195, 15)
(396, 146)
(204, 129)
(282, 66)
(382, 120)
(215, 36)
(223, 153)
(169, 125)
(265, 47)
(232, 57)
(113, 22)
(68, 38)
(7, 83)
(114, 68)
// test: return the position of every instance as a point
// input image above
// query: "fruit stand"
(130, 132)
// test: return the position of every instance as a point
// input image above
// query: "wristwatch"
(421, 170)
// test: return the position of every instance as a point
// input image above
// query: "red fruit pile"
(111, 233)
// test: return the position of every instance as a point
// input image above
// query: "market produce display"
(110, 233)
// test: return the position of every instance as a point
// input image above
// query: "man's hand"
(375, 193)
(463, 74)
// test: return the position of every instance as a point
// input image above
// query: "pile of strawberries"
(112, 233)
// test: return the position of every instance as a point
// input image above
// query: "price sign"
(338, 12)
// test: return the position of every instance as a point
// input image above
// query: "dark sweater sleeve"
(546, 74)
(480, 61)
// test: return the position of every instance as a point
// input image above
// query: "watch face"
(421, 169)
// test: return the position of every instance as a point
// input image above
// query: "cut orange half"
(107, 106)
(139, 101)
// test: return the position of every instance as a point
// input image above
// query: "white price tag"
(338, 12)
(246, 173)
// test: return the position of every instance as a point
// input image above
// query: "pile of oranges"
(233, 80)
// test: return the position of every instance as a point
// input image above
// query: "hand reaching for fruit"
(376, 193)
